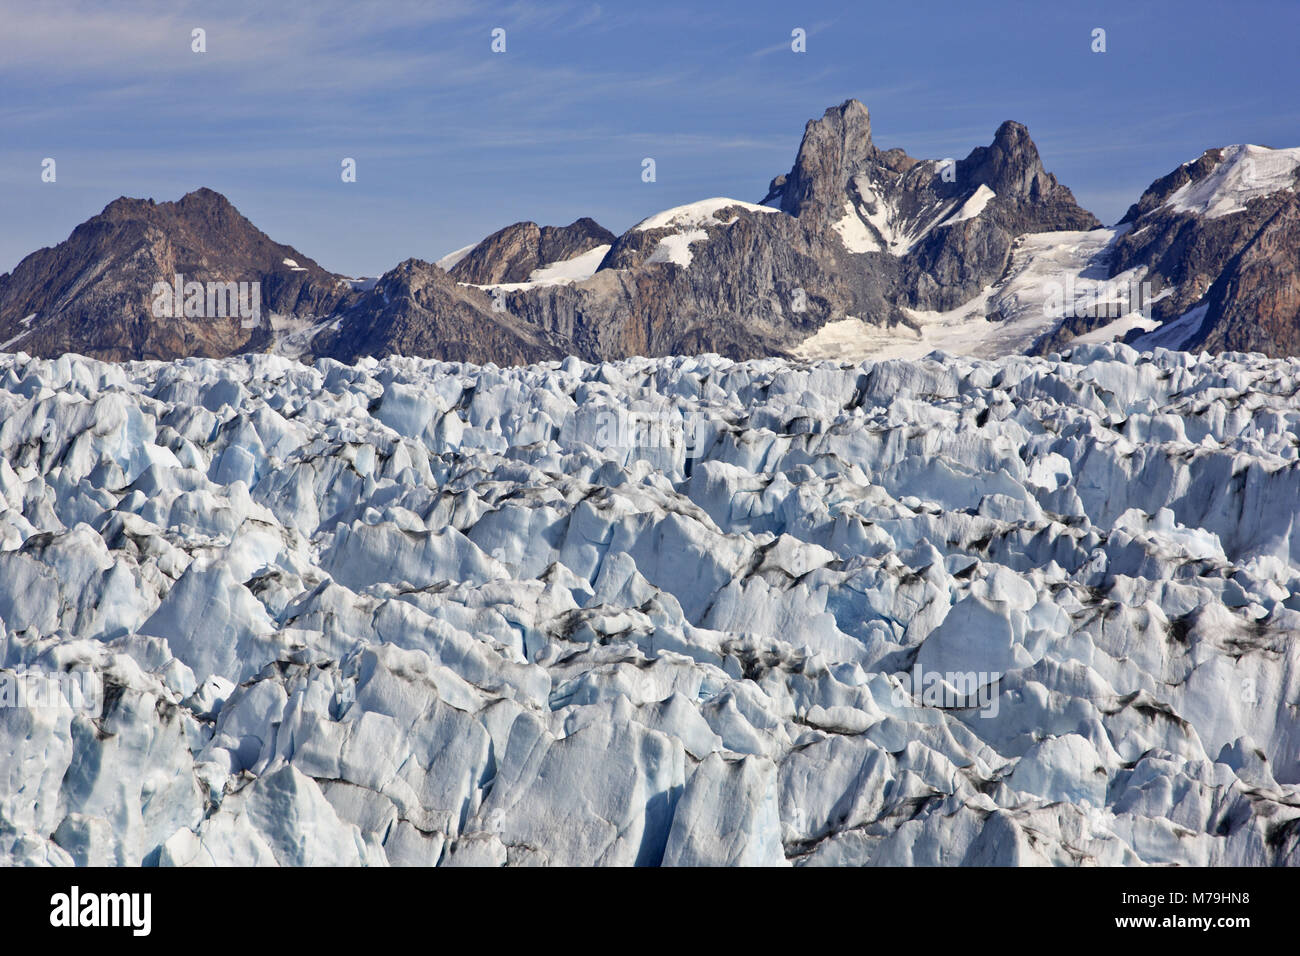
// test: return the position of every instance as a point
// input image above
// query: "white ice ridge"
(672, 611)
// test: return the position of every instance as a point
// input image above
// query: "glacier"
(681, 611)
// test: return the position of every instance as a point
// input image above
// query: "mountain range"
(856, 252)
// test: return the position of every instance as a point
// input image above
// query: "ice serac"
(685, 611)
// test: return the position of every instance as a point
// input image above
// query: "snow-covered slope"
(874, 222)
(1049, 271)
(695, 214)
(448, 262)
(681, 226)
(677, 611)
(1244, 173)
(582, 266)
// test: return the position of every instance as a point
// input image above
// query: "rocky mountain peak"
(201, 209)
(208, 206)
(833, 149)
(1217, 241)
(1010, 166)
(94, 292)
(125, 208)
(1221, 182)
(418, 309)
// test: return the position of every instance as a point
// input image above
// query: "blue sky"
(453, 141)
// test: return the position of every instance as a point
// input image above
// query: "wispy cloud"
(452, 139)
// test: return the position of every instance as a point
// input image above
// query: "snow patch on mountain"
(972, 207)
(677, 248)
(696, 214)
(26, 323)
(1116, 330)
(1176, 334)
(448, 262)
(874, 221)
(292, 336)
(689, 223)
(854, 232)
(578, 268)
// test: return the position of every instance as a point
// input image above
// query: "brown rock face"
(755, 286)
(1012, 168)
(94, 293)
(1254, 306)
(833, 149)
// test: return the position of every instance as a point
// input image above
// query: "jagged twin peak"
(886, 201)
(1208, 258)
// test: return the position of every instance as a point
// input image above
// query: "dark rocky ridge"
(92, 293)
(739, 297)
(1254, 304)
(417, 309)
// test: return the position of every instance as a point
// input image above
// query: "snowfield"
(677, 611)
(1070, 265)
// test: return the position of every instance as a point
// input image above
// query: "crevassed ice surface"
(676, 611)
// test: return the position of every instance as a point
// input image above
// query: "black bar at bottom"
(335, 906)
